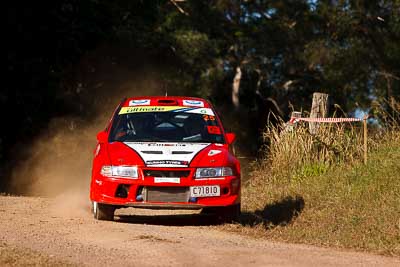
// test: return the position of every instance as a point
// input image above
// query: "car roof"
(184, 101)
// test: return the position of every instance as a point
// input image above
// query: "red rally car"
(165, 153)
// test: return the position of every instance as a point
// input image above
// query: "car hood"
(169, 155)
(121, 154)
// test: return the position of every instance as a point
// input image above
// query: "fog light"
(225, 190)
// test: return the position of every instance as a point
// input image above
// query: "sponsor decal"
(193, 103)
(208, 118)
(213, 130)
(167, 162)
(214, 152)
(166, 144)
(174, 180)
(206, 111)
(139, 109)
(140, 102)
(96, 153)
(126, 110)
(157, 144)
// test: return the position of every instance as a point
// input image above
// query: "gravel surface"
(61, 232)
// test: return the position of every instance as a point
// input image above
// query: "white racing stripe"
(167, 154)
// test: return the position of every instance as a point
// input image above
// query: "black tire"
(103, 212)
(227, 214)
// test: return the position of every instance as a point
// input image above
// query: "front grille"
(166, 194)
(165, 173)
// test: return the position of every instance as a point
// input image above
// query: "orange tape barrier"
(324, 120)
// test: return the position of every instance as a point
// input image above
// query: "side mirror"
(230, 138)
(102, 137)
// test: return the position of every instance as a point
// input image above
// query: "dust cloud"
(58, 163)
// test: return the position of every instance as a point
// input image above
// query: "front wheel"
(103, 212)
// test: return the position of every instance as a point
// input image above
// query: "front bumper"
(125, 192)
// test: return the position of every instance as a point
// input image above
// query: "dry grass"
(316, 189)
(291, 152)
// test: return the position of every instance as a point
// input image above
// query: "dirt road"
(42, 231)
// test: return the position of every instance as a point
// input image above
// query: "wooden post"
(319, 109)
(365, 140)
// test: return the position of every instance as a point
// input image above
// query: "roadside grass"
(316, 190)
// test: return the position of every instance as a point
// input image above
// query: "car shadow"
(169, 220)
(279, 213)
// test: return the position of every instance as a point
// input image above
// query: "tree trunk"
(390, 98)
(319, 109)
(236, 87)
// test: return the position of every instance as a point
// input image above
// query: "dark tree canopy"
(277, 50)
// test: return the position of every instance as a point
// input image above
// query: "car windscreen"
(170, 126)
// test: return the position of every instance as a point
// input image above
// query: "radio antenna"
(165, 88)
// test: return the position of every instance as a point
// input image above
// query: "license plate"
(205, 191)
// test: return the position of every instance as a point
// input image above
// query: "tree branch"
(174, 2)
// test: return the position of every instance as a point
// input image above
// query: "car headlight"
(119, 171)
(213, 172)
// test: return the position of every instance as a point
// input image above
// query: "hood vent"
(181, 152)
(153, 152)
(167, 102)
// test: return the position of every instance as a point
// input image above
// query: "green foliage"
(310, 170)
(193, 46)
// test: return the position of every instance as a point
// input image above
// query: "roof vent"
(167, 102)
